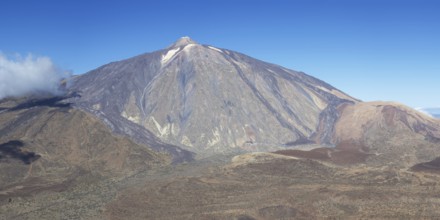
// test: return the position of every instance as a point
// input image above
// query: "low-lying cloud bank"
(29, 75)
(433, 112)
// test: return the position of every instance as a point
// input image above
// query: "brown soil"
(282, 189)
(344, 154)
(317, 153)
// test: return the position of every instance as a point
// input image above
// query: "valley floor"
(252, 186)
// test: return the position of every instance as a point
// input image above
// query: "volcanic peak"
(183, 41)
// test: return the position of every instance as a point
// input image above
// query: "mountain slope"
(46, 144)
(102, 151)
(395, 133)
(210, 100)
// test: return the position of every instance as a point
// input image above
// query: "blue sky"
(371, 49)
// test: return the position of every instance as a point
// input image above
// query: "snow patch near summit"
(169, 55)
(216, 49)
(188, 47)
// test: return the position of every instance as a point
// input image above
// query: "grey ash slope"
(209, 100)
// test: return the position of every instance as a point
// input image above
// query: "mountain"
(209, 100)
(47, 144)
(199, 132)
(394, 133)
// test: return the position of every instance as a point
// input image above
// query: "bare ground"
(250, 186)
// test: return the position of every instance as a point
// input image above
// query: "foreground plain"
(249, 186)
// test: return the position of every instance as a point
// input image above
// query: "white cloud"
(423, 110)
(23, 75)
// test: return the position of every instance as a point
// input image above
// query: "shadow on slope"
(54, 101)
(345, 153)
(12, 149)
(432, 166)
